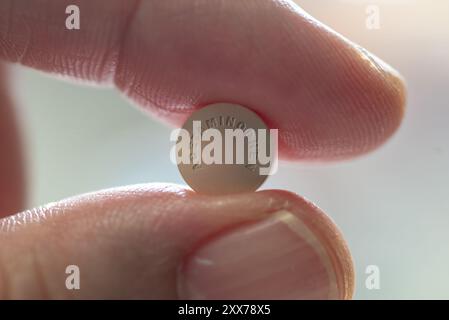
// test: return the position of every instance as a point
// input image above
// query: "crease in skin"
(20, 55)
(40, 275)
(10, 4)
(122, 39)
(5, 285)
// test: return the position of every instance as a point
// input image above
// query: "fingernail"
(277, 258)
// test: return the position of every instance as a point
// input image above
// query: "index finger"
(328, 98)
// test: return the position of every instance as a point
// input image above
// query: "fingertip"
(331, 238)
(293, 252)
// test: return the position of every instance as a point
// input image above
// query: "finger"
(164, 242)
(329, 98)
(12, 193)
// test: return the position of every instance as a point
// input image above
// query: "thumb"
(161, 241)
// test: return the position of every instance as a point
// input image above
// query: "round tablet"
(237, 171)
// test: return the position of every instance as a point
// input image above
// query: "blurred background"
(392, 205)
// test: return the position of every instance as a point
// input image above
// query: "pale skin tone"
(328, 99)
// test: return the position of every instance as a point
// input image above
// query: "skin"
(329, 99)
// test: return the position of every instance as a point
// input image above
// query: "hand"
(329, 98)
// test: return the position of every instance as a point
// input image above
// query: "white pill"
(228, 140)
